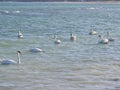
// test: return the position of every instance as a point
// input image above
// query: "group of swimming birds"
(20, 35)
(101, 39)
(57, 41)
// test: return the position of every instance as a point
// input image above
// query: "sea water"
(80, 65)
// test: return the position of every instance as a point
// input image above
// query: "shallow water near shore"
(80, 65)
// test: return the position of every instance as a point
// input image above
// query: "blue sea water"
(80, 65)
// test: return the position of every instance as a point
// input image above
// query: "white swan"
(110, 38)
(102, 40)
(92, 32)
(73, 37)
(4, 12)
(36, 50)
(8, 62)
(57, 41)
(20, 35)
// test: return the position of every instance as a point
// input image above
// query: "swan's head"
(19, 52)
(99, 36)
(71, 34)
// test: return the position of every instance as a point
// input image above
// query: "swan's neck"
(71, 35)
(18, 55)
(100, 37)
(19, 32)
(55, 36)
(108, 34)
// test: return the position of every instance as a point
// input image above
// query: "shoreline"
(95, 2)
(89, 2)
